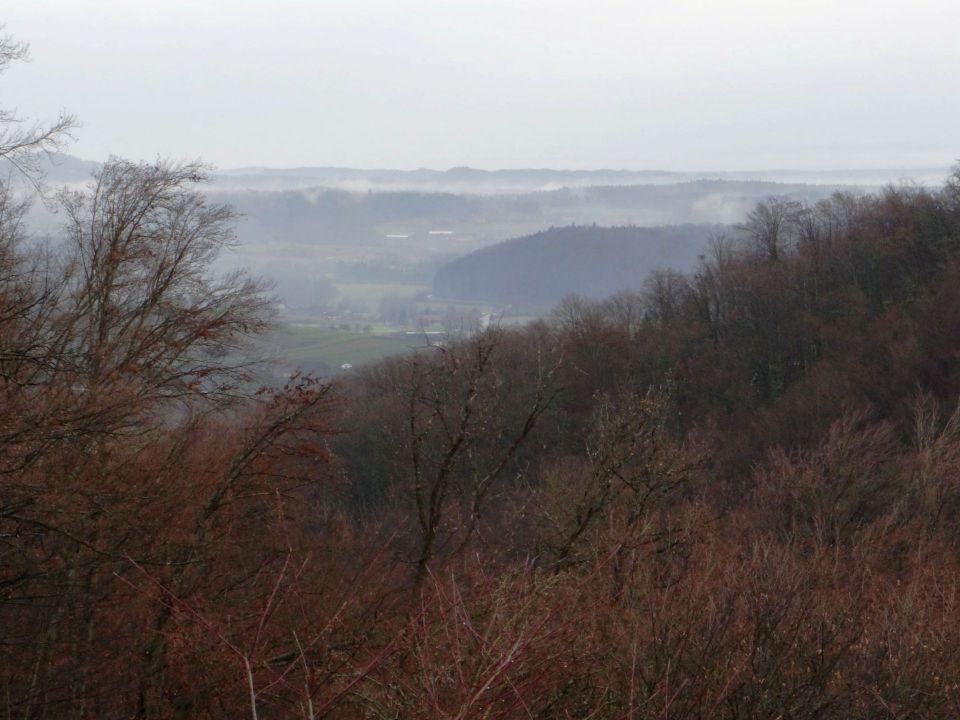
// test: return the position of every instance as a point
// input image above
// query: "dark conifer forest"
(730, 493)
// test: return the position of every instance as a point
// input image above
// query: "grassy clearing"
(325, 350)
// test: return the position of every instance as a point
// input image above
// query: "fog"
(694, 85)
(388, 159)
(387, 252)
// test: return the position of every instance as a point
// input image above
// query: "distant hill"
(458, 179)
(325, 216)
(590, 261)
(522, 180)
(57, 169)
(62, 168)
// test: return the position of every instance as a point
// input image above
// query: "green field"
(322, 349)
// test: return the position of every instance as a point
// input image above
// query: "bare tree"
(144, 308)
(664, 292)
(127, 318)
(22, 142)
(768, 223)
(458, 438)
(630, 469)
(626, 310)
(714, 285)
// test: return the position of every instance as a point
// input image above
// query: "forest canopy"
(541, 269)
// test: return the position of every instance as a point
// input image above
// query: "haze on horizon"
(688, 85)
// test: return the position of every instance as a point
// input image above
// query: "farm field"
(324, 351)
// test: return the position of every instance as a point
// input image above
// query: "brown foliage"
(733, 496)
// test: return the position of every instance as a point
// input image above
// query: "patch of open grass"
(328, 349)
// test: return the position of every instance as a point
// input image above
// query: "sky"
(576, 84)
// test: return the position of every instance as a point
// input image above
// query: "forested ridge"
(590, 261)
(732, 493)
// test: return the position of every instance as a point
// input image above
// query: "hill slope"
(592, 261)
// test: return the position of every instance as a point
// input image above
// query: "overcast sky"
(672, 84)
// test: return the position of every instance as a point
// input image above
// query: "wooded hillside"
(590, 261)
(733, 494)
